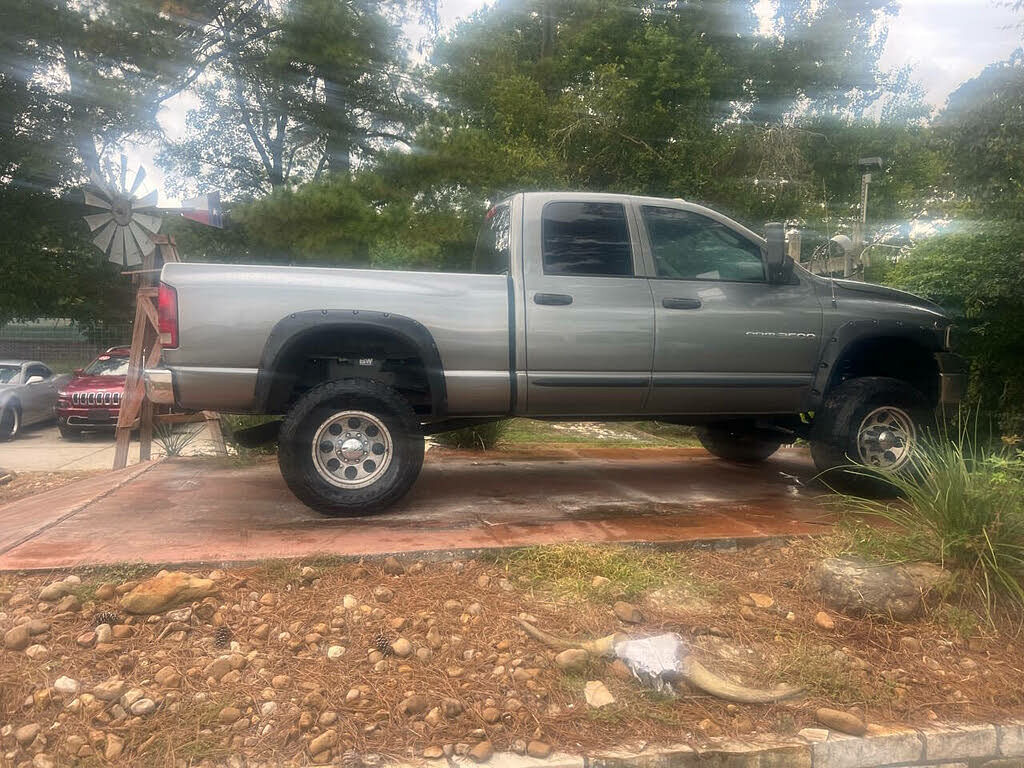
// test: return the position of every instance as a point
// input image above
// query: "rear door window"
(586, 239)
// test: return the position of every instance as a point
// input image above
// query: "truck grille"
(96, 398)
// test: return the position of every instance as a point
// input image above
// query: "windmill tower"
(126, 231)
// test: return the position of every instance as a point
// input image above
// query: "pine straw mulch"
(966, 670)
(23, 484)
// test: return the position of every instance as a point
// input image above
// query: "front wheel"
(736, 443)
(10, 421)
(872, 422)
(68, 432)
(350, 447)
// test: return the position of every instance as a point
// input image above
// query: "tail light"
(167, 314)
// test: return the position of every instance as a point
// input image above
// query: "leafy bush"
(961, 507)
(482, 437)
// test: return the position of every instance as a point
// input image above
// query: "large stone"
(111, 690)
(51, 593)
(323, 742)
(572, 659)
(858, 588)
(628, 612)
(16, 638)
(482, 752)
(838, 720)
(166, 590)
(597, 694)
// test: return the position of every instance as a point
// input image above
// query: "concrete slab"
(190, 510)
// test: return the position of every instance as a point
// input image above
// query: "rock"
(481, 752)
(218, 667)
(105, 591)
(308, 574)
(628, 613)
(910, 644)
(122, 631)
(434, 639)
(110, 690)
(747, 613)
(37, 652)
(327, 718)
(27, 734)
(16, 638)
(280, 681)
(325, 741)
(572, 660)
(841, 721)
(424, 654)
(814, 735)
(433, 753)
(335, 652)
(413, 705)
(491, 715)
(68, 604)
(453, 606)
(268, 708)
(762, 600)
(597, 694)
(142, 707)
(228, 715)
(350, 602)
(42, 760)
(383, 594)
(51, 593)
(114, 747)
(859, 588)
(393, 567)
(66, 686)
(598, 582)
(402, 648)
(38, 627)
(104, 634)
(165, 591)
(540, 749)
(168, 677)
(823, 621)
(709, 727)
(452, 707)
(86, 639)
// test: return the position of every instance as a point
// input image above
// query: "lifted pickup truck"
(580, 306)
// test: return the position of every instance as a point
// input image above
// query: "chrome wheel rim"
(352, 449)
(885, 439)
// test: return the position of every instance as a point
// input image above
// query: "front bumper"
(159, 386)
(73, 416)
(952, 378)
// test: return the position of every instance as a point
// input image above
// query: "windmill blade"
(102, 240)
(117, 247)
(148, 222)
(99, 182)
(132, 254)
(97, 220)
(148, 201)
(140, 176)
(142, 239)
(96, 201)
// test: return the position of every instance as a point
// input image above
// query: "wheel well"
(892, 357)
(352, 351)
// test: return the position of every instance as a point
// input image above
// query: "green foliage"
(481, 437)
(175, 438)
(963, 508)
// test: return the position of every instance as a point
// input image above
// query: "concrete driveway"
(209, 510)
(40, 448)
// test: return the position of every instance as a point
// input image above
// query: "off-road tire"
(736, 444)
(299, 428)
(10, 421)
(834, 436)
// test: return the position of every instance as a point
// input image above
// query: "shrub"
(482, 437)
(962, 506)
(175, 438)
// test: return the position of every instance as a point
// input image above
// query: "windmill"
(127, 232)
(125, 228)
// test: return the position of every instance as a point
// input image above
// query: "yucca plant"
(961, 506)
(175, 438)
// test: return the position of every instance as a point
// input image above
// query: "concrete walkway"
(192, 510)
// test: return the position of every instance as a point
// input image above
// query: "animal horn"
(602, 646)
(701, 677)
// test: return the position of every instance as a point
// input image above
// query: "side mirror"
(775, 252)
(78, 371)
(34, 380)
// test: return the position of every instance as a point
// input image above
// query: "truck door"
(726, 340)
(589, 317)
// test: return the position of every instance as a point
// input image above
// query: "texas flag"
(205, 209)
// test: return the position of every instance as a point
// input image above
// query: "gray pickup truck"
(580, 306)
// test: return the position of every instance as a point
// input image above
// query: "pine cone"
(382, 642)
(105, 617)
(222, 637)
(351, 758)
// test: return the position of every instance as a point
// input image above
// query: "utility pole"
(860, 227)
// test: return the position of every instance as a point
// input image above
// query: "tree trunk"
(339, 141)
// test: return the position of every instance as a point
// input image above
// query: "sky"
(946, 41)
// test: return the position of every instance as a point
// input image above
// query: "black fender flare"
(273, 386)
(856, 331)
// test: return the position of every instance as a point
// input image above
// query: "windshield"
(105, 365)
(9, 373)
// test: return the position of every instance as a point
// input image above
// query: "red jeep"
(92, 398)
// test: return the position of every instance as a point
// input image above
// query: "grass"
(175, 438)
(482, 437)
(816, 669)
(522, 431)
(961, 507)
(568, 570)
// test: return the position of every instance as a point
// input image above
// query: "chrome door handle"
(677, 303)
(552, 299)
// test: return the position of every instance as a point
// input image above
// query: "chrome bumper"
(159, 386)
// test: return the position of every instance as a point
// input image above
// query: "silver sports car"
(28, 394)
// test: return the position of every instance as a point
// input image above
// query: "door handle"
(676, 303)
(552, 299)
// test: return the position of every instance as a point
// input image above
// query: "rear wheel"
(874, 422)
(350, 447)
(734, 443)
(10, 421)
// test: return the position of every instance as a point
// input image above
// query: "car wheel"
(872, 422)
(736, 444)
(67, 432)
(350, 447)
(10, 421)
